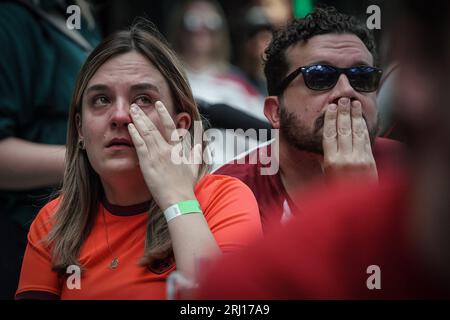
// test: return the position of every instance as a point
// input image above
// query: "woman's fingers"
(169, 128)
(139, 143)
(146, 128)
(151, 144)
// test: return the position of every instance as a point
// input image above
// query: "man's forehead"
(341, 50)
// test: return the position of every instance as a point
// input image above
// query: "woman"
(128, 208)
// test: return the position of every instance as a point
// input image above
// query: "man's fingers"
(367, 144)
(359, 128)
(329, 141)
(344, 126)
(167, 122)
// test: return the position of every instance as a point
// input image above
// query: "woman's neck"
(126, 190)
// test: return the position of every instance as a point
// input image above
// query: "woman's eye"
(101, 101)
(144, 101)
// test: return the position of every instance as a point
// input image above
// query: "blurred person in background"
(198, 31)
(254, 33)
(359, 240)
(39, 61)
(279, 12)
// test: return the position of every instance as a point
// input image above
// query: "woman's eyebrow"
(97, 87)
(144, 86)
(136, 87)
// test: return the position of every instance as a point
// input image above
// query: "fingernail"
(134, 108)
(332, 107)
(160, 105)
(344, 101)
(356, 103)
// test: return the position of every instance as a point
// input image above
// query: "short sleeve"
(231, 210)
(37, 273)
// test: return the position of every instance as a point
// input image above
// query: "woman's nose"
(121, 114)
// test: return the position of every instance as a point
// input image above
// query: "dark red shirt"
(273, 199)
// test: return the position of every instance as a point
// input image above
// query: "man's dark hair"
(322, 20)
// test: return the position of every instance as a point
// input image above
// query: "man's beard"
(299, 136)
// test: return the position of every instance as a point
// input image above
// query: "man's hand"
(346, 143)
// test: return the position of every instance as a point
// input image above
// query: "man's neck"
(299, 170)
(126, 190)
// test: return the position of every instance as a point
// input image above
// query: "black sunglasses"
(321, 77)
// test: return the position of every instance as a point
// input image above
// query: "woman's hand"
(171, 181)
(168, 179)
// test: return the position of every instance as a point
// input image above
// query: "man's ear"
(78, 125)
(272, 111)
(183, 121)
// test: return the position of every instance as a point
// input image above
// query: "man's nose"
(120, 116)
(342, 89)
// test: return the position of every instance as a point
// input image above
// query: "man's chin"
(310, 144)
(311, 149)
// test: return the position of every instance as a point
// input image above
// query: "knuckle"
(331, 161)
(147, 132)
(329, 132)
(344, 131)
(362, 162)
(344, 111)
(358, 133)
(139, 143)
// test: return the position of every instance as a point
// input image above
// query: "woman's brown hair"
(81, 191)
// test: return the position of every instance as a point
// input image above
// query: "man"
(363, 240)
(322, 98)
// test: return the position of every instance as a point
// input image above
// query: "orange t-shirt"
(230, 210)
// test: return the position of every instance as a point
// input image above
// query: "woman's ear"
(183, 121)
(272, 111)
